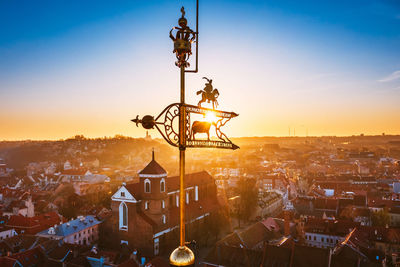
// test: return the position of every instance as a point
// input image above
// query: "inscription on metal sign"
(217, 113)
(211, 144)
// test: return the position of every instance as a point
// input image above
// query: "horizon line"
(237, 137)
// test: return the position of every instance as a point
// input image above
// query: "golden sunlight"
(210, 117)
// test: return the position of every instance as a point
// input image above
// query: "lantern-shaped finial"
(183, 39)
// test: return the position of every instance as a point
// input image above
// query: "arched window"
(123, 216)
(146, 205)
(147, 187)
(162, 204)
(164, 219)
(162, 185)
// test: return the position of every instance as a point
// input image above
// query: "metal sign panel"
(210, 144)
(164, 124)
(217, 113)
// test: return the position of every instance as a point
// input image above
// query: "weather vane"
(208, 94)
(189, 125)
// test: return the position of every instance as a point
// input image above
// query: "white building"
(326, 233)
(7, 234)
(82, 231)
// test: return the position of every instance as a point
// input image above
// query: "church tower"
(153, 184)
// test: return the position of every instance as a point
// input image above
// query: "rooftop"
(153, 168)
(71, 227)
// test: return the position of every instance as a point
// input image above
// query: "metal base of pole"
(182, 256)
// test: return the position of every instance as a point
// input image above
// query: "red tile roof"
(198, 178)
(31, 257)
(20, 221)
(360, 244)
(134, 189)
(338, 227)
(153, 168)
(33, 225)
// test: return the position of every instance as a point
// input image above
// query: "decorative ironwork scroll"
(164, 123)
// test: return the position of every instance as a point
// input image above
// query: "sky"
(309, 67)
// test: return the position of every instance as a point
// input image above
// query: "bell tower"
(153, 183)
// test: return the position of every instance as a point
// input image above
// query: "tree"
(347, 213)
(247, 190)
(380, 218)
(70, 208)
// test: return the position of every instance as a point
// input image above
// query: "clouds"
(394, 76)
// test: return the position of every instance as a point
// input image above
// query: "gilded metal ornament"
(208, 94)
(164, 123)
(183, 39)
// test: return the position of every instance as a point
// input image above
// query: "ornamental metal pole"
(184, 137)
(182, 256)
(182, 149)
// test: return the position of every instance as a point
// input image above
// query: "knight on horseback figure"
(208, 94)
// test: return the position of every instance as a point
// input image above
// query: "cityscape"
(273, 137)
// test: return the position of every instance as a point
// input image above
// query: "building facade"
(146, 214)
(82, 231)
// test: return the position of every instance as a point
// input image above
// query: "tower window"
(147, 187)
(162, 185)
(164, 219)
(146, 205)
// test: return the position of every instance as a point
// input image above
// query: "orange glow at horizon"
(38, 126)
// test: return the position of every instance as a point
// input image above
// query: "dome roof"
(153, 169)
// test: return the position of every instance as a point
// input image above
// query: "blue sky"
(87, 67)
